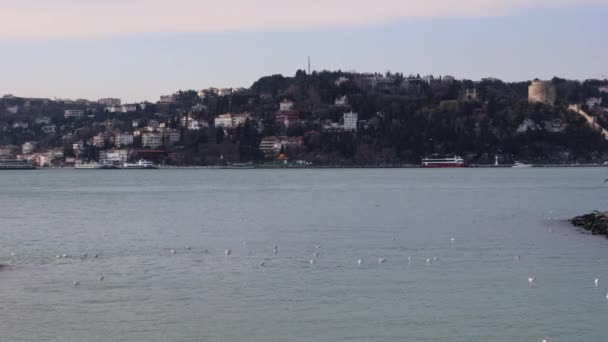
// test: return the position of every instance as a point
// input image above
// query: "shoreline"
(290, 167)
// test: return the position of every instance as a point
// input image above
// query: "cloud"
(91, 18)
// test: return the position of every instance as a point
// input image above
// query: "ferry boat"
(13, 164)
(140, 164)
(521, 165)
(437, 162)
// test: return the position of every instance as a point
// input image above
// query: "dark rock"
(596, 223)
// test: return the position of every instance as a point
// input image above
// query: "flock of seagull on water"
(228, 252)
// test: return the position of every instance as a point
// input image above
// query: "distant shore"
(273, 167)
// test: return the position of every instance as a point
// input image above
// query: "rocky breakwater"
(596, 223)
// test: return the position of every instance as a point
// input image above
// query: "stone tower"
(542, 92)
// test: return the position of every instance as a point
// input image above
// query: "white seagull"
(596, 282)
(227, 252)
(452, 240)
(381, 260)
(173, 251)
(76, 283)
(359, 261)
(531, 280)
(312, 262)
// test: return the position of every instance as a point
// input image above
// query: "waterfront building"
(341, 101)
(43, 120)
(49, 129)
(271, 146)
(593, 101)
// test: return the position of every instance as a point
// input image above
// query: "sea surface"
(474, 288)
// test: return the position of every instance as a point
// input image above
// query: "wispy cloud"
(86, 18)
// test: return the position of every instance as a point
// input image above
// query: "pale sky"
(139, 49)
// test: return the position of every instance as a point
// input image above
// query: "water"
(477, 290)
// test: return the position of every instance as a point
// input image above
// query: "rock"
(596, 223)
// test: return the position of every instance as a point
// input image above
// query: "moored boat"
(13, 164)
(438, 162)
(139, 165)
(521, 165)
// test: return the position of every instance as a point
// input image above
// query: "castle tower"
(542, 92)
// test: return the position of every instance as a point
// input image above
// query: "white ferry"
(437, 162)
(13, 164)
(140, 164)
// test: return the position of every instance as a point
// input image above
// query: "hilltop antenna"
(308, 65)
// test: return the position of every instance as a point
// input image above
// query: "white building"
(43, 120)
(49, 129)
(230, 120)
(130, 108)
(604, 89)
(350, 121)
(593, 101)
(28, 147)
(341, 101)
(123, 139)
(196, 125)
(74, 113)
(527, 125)
(341, 80)
(109, 102)
(286, 105)
(152, 139)
(113, 109)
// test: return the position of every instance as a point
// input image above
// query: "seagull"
(596, 282)
(76, 283)
(189, 248)
(517, 257)
(428, 261)
(12, 254)
(262, 264)
(317, 246)
(57, 256)
(435, 258)
(606, 295)
(276, 249)
(409, 258)
(381, 260)
(393, 239)
(64, 256)
(452, 240)
(312, 262)
(173, 251)
(316, 255)
(531, 280)
(359, 261)
(95, 256)
(102, 278)
(227, 252)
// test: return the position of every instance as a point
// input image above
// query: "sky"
(140, 49)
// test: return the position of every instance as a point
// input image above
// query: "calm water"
(475, 291)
